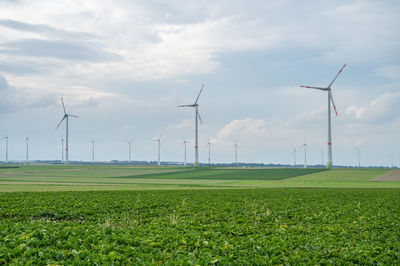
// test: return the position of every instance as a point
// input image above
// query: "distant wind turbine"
(305, 153)
(159, 143)
(130, 149)
(236, 148)
(391, 155)
(295, 154)
(6, 138)
(66, 116)
(322, 155)
(184, 152)
(330, 100)
(358, 154)
(27, 149)
(92, 150)
(197, 116)
(62, 147)
(209, 152)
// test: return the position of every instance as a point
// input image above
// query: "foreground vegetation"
(247, 226)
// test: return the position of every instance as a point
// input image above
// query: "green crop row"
(276, 226)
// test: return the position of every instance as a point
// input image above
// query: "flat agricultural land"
(53, 214)
(93, 177)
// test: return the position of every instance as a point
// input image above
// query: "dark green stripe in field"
(231, 174)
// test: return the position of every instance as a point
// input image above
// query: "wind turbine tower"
(359, 156)
(391, 155)
(209, 152)
(130, 150)
(295, 154)
(27, 149)
(330, 100)
(66, 116)
(62, 148)
(305, 153)
(92, 150)
(322, 155)
(6, 138)
(184, 152)
(159, 143)
(197, 117)
(236, 147)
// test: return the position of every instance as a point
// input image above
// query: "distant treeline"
(12, 164)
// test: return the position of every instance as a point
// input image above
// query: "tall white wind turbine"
(158, 146)
(66, 116)
(197, 117)
(330, 100)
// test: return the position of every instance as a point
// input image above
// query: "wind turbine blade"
(310, 87)
(340, 71)
(72, 115)
(198, 96)
(198, 114)
(186, 105)
(333, 103)
(62, 101)
(61, 121)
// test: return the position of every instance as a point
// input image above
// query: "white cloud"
(16, 99)
(183, 125)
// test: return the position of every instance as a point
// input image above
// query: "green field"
(79, 214)
(86, 177)
(247, 226)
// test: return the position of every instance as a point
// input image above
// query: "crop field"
(100, 177)
(247, 226)
(76, 214)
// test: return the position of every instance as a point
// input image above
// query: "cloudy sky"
(123, 66)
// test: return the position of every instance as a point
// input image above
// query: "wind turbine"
(294, 153)
(236, 147)
(322, 155)
(305, 153)
(184, 152)
(197, 116)
(209, 152)
(391, 155)
(27, 149)
(92, 150)
(159, 143)
(359, 156)
(6, 138)
(130, 149)
(66, 116)
(62, 147)
(330, 100)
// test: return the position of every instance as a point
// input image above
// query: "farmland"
(197, 216)
(203, 226)
(86, 177)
